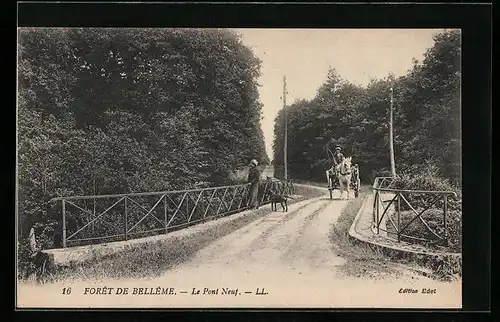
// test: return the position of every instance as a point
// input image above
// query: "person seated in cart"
(338, 157)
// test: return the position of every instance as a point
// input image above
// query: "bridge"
(297, 258)
(95, 219)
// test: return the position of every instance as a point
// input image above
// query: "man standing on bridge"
(253, 179)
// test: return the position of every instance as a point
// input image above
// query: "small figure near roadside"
(253, 180)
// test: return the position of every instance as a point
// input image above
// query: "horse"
(344, 174)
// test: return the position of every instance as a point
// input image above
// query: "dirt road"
(280, 260)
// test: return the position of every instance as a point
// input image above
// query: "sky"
(304, 56)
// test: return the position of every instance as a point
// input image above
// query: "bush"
(423, 177)
(445, 267)
(238, 176)
(427, 177)
(434, 218)
(25, 263)
(380, 173)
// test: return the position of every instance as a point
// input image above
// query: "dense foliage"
(427, 135)
(426, 120)
(127, 110)
(427, 177)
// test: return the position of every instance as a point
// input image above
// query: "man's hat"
(337, 147)
(254, 162)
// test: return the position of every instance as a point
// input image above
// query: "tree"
(426, 119)
(127, 110)
(429, 107)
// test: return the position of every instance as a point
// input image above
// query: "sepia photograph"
(238, 168)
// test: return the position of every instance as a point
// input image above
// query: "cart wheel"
(358, 186)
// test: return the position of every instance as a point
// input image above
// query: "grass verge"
(153, 259)
(361, 260)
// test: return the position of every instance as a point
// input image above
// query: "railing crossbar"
(221, 201)
(178, 206)
(94, 238)
(393, 224)
(225, 204)
(195, 205)
(243, 196)
(419, 215)
(209, 203)
(149, 212)
(191, 198)
(417, 191)
(82, 209)
(146, 210)
(386, 208)
(139, 194)
(92, 214)
(234, 195)
(99, 216)
(177, 210)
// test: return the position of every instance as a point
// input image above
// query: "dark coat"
(254, 175)
(338, 157)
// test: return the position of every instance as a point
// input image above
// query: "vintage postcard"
(238, 168)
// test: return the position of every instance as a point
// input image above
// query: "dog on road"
(281, 199)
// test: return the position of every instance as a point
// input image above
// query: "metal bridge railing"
(389, 201)
(104, 218)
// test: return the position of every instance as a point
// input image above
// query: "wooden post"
(93, 222)
(399, 217)
(377, 200)
(286, 130)
(165, 212)
(445, 215)
(126, 221)
(391, 139)
(64, 222)
(374, 216)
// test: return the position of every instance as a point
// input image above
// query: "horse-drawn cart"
(335, 175)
